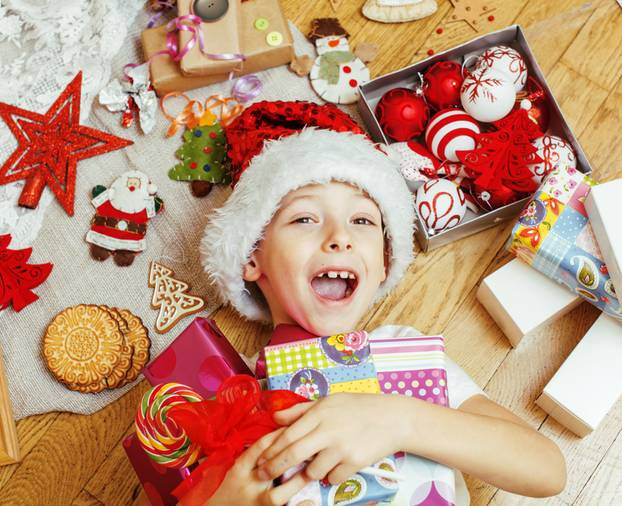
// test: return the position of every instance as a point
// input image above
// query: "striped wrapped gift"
(415, 366)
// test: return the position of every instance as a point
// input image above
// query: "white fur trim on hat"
(311, 156)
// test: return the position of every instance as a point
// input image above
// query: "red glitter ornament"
(50, 145)
(402, 114)
(441, 84)
(17, 277)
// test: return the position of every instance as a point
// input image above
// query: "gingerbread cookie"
(82, 345)
(137, 337)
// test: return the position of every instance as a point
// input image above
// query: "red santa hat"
(277, 147)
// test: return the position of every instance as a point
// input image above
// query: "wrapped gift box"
(517, 315)
(220, 36)
(589, 382)
(166, 75)
(317, 367)
(415, 366)
(604, 208)
(158, 481)
(513, 36)
(200, 357)
(554, 236)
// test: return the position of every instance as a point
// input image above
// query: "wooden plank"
(9, 446)
(29, 433)
(605, 485)
(86, 499)
(115, 477)
(68, 454)
(595, 52)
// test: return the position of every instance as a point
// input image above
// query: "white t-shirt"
(460, 387)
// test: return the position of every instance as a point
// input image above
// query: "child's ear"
(251, 270)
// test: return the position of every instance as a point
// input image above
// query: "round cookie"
(117, 376)
(82, 345)
(138, 338)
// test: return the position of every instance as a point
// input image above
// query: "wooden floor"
(69, 459)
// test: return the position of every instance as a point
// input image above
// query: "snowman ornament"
(337, 71)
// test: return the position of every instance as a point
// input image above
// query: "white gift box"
(590, 380)
(604, 208)
(521, 300)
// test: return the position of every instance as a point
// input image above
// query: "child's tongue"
(330, 288)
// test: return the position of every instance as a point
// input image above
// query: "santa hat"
(277, 147)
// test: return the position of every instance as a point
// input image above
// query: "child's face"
(322, 258)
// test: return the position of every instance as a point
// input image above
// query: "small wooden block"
(604, 207)
(589, 382)
(9, 447)
(521, 300)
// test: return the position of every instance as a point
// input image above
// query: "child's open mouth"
(334, 284)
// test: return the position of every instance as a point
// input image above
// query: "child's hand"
(345, 432)
(243, 487)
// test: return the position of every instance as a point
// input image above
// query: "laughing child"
(319, 227)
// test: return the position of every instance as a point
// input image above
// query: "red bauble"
(441, 84)
(402, 114)
(535, 102)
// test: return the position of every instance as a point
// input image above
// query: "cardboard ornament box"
(167, 76)
(512, 36)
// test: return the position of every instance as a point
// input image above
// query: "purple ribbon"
(164, 6)
(246, 88)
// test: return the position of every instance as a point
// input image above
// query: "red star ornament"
(50, 146)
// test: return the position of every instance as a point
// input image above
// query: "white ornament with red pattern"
(417, 164)
(506, 60)
(555, 152)
(440, 205)
(449, 131)
(335, 79)
(487, 95)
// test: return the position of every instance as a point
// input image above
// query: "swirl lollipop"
(162, 439)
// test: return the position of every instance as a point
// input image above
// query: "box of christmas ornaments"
(475, 130)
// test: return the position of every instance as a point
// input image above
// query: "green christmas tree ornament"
(202, 159)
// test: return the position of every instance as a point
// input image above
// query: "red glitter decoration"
(264, 121)
(17, 277)
(502, 157)
(50, 146)
(430, 52)
(439, 30)
(491, 18)
(347, 69)
(441, 84)
(402, 114)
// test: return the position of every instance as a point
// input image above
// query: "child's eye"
(362, 221)
(304, 220)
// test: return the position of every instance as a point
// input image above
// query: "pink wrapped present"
(415, 366)
(200, 357)
(158, 481)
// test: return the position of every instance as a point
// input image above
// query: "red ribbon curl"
(240, 415)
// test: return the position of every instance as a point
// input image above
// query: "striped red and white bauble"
(449, 131)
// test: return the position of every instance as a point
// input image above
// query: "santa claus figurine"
(120, 222)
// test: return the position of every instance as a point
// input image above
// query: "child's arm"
(347, 432)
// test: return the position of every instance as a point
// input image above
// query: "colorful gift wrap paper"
(318, 367)
(157, 481)
(201, 357)
(415, 367)
(553, 235)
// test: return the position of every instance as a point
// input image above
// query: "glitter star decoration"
(50, 145)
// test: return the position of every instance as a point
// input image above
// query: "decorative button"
(261, 24)
(274, 38)
(122, 225)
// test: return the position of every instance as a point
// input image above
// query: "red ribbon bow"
(240, 415)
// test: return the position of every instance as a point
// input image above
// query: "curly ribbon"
(161, 438)
(187, 116)
(159, 7)
(223, 428)
(230, 108)
(246, 88)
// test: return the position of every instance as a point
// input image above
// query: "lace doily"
(43, 44)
